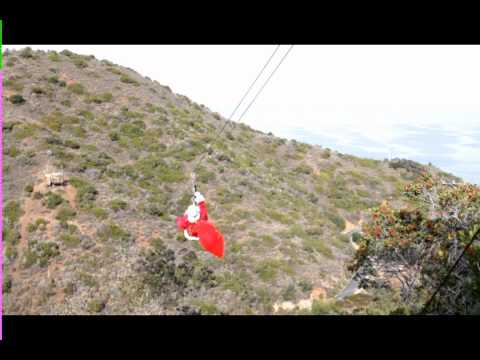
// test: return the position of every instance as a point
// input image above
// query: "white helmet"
(193, 213)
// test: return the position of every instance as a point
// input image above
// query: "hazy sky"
(416, 102)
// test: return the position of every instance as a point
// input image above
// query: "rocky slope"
(106, 241)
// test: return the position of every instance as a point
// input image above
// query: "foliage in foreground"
(418, 245)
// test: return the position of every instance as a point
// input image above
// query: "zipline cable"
(249, 105)
(251, 86)
(265, 83)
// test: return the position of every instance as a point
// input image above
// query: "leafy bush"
(38, 224)
(305, 285)
(7, 284)
(12, 212)
(96, 305)
(113, 232)
(267, 270)
(29, 189)
(77, 88)
(67, 53)
(53, 56)
(131, 130)
(86, 193)
(99, 213)
(70, 240)
(52, 200)
(128, 80)
(303, 169)
(65, 213)
(318, 245)
(38, 90)
(40, 253)
(118, 204)
(427, 240)
(80, 63)
(204, 176)
(27, 53)
(328, 307)
(336, 219)
(56, 120)
(289, 293)
(100, 98)
(17, 99)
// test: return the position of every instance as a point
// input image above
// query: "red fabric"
(210, 238)
(182, 222)
(203, 211)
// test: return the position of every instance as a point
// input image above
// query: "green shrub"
(206, 308)
(53, 56)
(113, 232)
(117, 205)
(305, 285)
(114, 71)
(279, 217)
(303, 169)
(128, 80)
(268, 240)
(12, 212)
(52, 200)
(7, 284)
(289, 293)
(71, 144)
(25, 130)
(86, 114)
(80, 63)
(369, 163)
(99, 213)
(38, 224)
(100, 98)
(67, 53)
(114, 136)
(131, 130)
(96, 305)
(326, 154)
(54, 121)
(86, 193)
(356, 237)
(27, 53)
(267, 270)
(29, 189)
(337, 220)
(318, 245)
(326, 308)
(77, 88)
(70, 240)
(40, 253)
(204, 176)
(38, 90)
(65, 213)
(17, 99)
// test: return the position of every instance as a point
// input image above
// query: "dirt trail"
(33, 210)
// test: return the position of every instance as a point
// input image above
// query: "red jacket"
(210, 238)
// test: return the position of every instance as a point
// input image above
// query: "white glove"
(188, 237)
(198, 197)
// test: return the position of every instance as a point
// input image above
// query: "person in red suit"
(196, 227)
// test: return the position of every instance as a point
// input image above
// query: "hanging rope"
(217, 136)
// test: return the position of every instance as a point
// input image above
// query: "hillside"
(106, 242)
